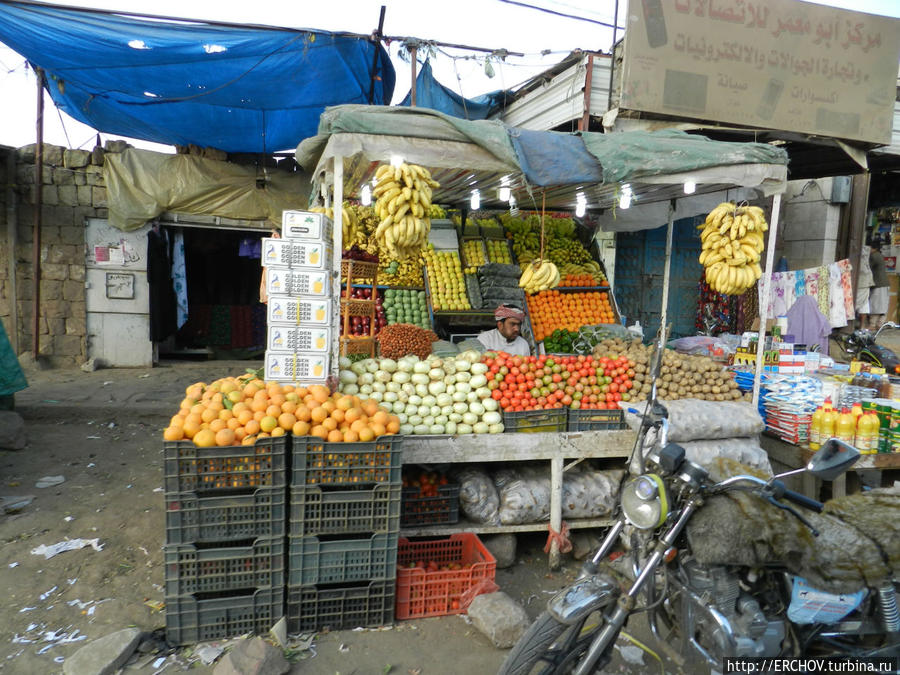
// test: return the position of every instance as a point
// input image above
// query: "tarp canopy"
(485, 154)
(238, 89)
(432, 94)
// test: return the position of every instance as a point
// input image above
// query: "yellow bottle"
(846, 426)
(815, 428)
(829, 422)
(867, 433)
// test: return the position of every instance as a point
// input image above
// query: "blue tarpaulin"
(554, 159)
(432, 94)
(238, 89)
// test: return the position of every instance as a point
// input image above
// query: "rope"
(543, 213)
(561, 538)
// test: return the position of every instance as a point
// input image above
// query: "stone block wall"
(73, 190)
(809, 224)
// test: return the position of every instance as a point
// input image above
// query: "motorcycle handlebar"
(779, 491)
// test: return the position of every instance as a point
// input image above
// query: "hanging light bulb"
(513, 207)
(625, 199)
(396, 160)
(365, 195)
(580, 205)
(689, 187)
(504, 194)
(475, 201)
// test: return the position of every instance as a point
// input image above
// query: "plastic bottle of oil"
(815, 428)
(846, 426)
(867, 433)
(829, 422)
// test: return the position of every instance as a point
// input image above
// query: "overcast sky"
(492, 24)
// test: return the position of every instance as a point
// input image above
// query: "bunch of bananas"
(539, 275)
(592, 268)
(732, 240)
(403, 205)
(349, 222)
(436, 212)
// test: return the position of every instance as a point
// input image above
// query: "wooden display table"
(794, 457)
(520, 447)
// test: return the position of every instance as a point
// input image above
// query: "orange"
(318, 415)
(252, 427)
(330, 423)
(381, 417)
(259, 414)
(319, 431)
(301, 428)
(268, 423)
(393, 426)
(329, 406)
(353, 414)
(226, 414)
(244, 416)
(217, 425)
(205, 438)
(377, 429)
(234, 423)
(173, 433)
(289, 407)
(239, 407)
(235, 396)
(225, 437)
(209, 415)
(344, 403)
(366, 434)
(277, 399)
(177, 420)
(277, 431)
(286, 420)
(190, 428)
(370, 407)
(350, 436)
(302, 413)
(320, 393)
(188, 403)
(301, 392)
(228, 386)
(198, 408)
(248, 440)
(250, 389)
(338, 415)
(273, 410)
(239, 434)
(259, 405)
(335, 436)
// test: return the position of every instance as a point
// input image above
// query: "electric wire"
(562, 14)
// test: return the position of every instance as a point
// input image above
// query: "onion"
(382, 376)
(429, 400)
(436, 428)
(389, 396)
(428, 420)
(492, 417)
(389, 365)
(350, 389)
(480, 428)
(408, 388)
(472, 397)
(478, 381)
(449, 366)
(398, 407)
(393, 386)
(463, 429)
(402, 396)
(421, 430)
(405, 365)
(406, 429)
(483, 393)
(419, 378)
(366, 378)
(376, 396)
(435, 361)
(403, 417)
(424, 410)
(470, 355)
(444, 400)
(450, 428)
(415, 400)
(371, 365)
(401, 377)
(358, 368)
(435, 410)
(436, 388)
(463, 387)
(421, 367)
(463, 363)
(379, 387)
(422, 389)
(479, 368)
(455, 417)
(469, 418)
(446, 409)
(436, 374)
(449, 380)
(460, 407)
(476, 408)
(347, 377)
(414, 419)
(463, 376)
(365, 389)
(344, 362)
(490, 404)
(451, 388)
(495, 429)
(459, 396)
(441, 419)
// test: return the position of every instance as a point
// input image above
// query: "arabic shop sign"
(776, 64)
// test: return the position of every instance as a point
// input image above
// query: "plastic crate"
(221, 470)
(347, 606)
(534, 421)
(441, 509)
(190, 619)
(316, 462)
(313, 561)
(190, 569)
(318, 511)
(596, 420)
(421, 593)
(192, 519)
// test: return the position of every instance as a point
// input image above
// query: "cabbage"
(495, 429)
(476, 408)
(421, 429)
(436, 428)
(347, 377)
(478, 381)
(469, 418)
(350, 389)
(436, 388)
(344, 363)
(480, 428)
(492, 417)
(450, 428)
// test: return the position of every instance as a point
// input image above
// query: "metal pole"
(412, 86)
(668, 266)
(377, 41)
(12, 232)
(612, 57)
(38, 207)
(764, 297)
(584, 123)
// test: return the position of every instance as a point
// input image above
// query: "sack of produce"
(473, 291)
(471, 344)
(693, 420)
(588, 493)
(478, 498)
(524, 494)
(443, 348)
(493, 269)
(487, 282)
(497, 296)
(744, 450)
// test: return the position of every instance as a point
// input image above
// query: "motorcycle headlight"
(644, 502)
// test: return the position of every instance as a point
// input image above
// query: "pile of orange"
(581, 280)
(550, 310)
(241, 410)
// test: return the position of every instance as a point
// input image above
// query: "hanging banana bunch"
(732, 239)
(403, 206)
(539, 275)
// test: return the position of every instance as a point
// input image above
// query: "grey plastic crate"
(315, 462)
(191, 519)
(346, 606)
(224, 470)
(190, 569)
(312, 560)
(315, 510)
(596, 420)
(190, 619)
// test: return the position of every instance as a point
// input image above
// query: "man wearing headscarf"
(505, 337)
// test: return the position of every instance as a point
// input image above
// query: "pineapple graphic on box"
(314, 256)
(317, 370)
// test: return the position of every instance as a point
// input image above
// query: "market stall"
(544, 170)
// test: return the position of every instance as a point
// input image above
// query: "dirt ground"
(101, 431)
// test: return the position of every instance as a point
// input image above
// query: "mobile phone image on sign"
(655, 22)
(769, 100)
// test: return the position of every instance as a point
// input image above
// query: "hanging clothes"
(179, 279)
(807, 324)
(159, 280)
(829, 285)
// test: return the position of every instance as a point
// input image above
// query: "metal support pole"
(412, 86)
(585, 121)
(764, 297)
(668, 267)
(38, 208)
(376, 40)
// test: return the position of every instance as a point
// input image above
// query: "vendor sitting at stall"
(505, 337)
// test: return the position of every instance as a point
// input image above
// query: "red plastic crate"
(421, 593)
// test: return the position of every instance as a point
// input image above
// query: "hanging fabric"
(179, 278)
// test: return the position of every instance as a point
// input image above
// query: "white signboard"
(776, 64)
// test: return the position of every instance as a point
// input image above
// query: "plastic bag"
(744, 450)
(703, 345)
(444, 348)
(478, 496)
(473, 291)
(497, 296)
(588, 493)
(693, 420)
(493, 269)
(496, 282)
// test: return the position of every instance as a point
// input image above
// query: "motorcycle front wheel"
(549, 647)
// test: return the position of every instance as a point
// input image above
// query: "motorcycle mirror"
(832, 460)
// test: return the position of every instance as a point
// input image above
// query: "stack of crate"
(342, 534)
(302, 317)
(225, 538)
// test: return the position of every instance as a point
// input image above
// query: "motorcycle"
(700, 609)
(863, 345)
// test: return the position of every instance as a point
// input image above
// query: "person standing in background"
(878, 294)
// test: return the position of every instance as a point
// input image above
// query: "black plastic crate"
(191, 569)
(596, 420)
(312, 560)
(535, 421)
(438, 510)
(315, 462)
(315, 510)
(344, 606)
(191, 519)
(190, 619)
(222, 470)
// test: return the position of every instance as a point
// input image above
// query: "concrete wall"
(72, 191)
(809, 224)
